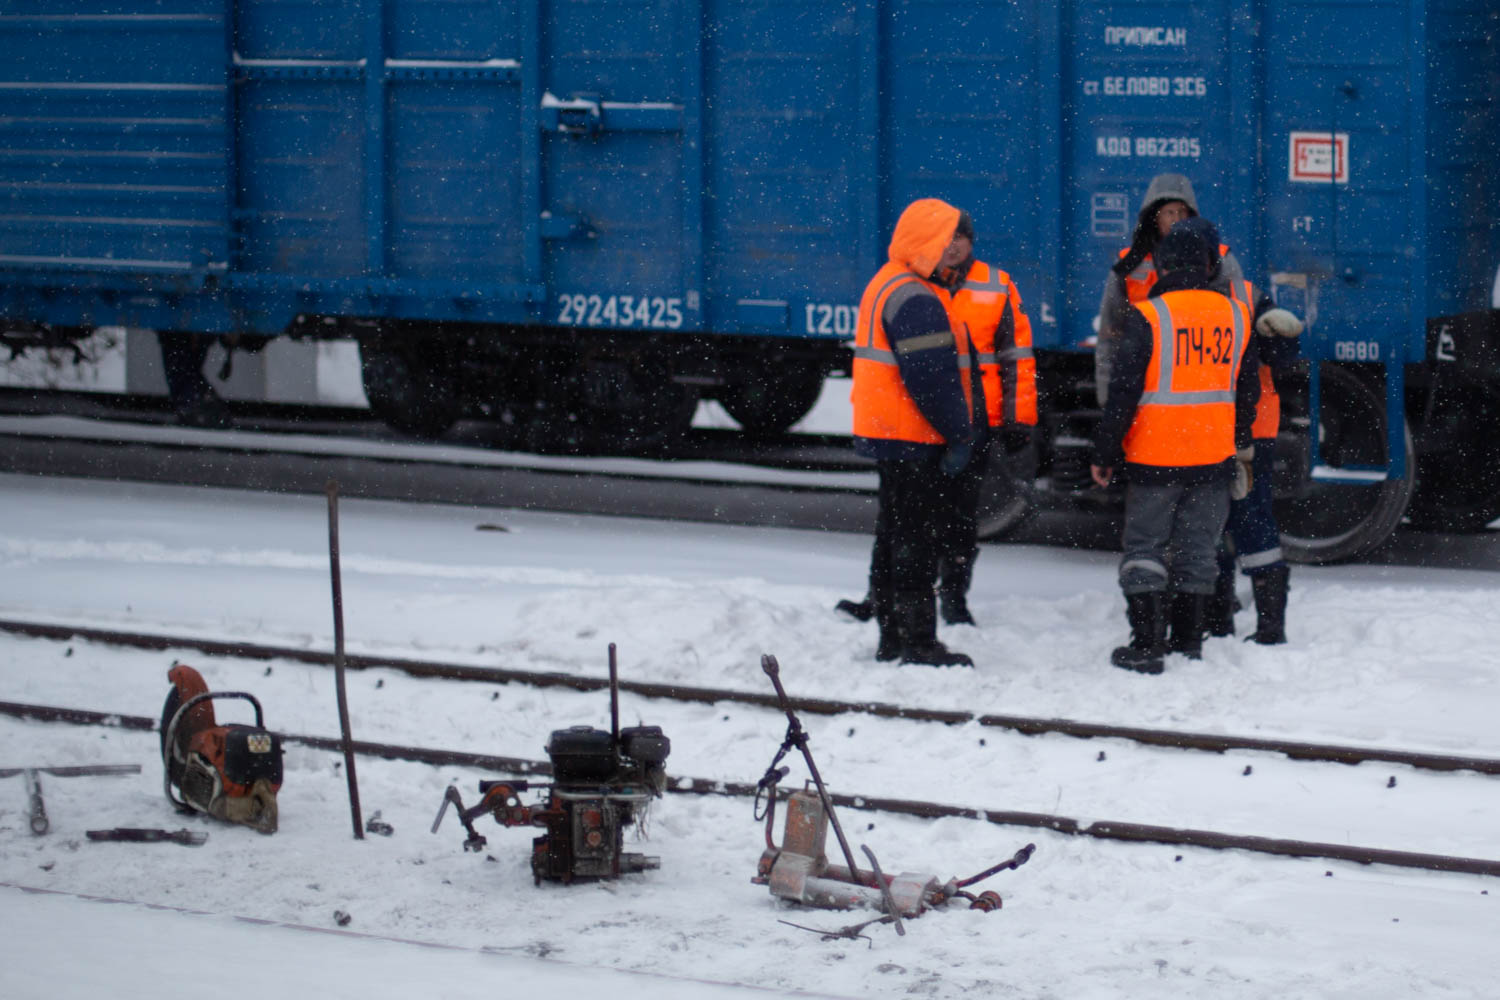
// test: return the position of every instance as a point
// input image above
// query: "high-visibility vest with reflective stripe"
(883, 409)
(1186, 412)
(1268, 409)
(1138, 282)
(981, 304)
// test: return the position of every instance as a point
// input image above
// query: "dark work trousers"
(182, 357)
(1252, 521)
(916, 507)
(961, 528)
(1170, 536)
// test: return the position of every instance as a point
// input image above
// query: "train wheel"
(1460, 475)
(1008, 498)
(772, 396)
(1328, 522)
(412, 385)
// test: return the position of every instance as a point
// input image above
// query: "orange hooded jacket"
(883, 408)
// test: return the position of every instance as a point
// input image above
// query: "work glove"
(1278, 322)
(1243, 479)
(956, 458)
(1015, 438)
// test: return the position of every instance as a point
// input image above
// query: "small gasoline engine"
(232, 772)
(602, 782)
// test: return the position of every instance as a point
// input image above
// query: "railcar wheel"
(412, 384)
(1328, 522)
(772, 396)
(1008, 497)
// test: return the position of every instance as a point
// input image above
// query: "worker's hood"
(1165, 188)
(922, 235)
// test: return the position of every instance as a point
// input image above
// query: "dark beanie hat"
(965, 227)
(1192, 243)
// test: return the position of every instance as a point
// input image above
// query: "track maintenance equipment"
(602, 782)
(232, 772)
(799, 869)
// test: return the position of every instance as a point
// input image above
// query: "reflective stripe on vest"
(1186, 412)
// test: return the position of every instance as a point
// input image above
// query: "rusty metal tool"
(37, 808)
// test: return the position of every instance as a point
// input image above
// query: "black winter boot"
(917, 614)
(1187, 625)
(953, 589)
(1218, 616)
(1270, 589)
(861, 610)
(1148, 625)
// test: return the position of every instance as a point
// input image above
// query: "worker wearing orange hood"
(919, 412)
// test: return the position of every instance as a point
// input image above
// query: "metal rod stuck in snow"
(614, 696)
(338, 656)
(796, 735)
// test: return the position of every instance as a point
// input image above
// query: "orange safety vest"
(981, 304)
(1138, 282)
(1186, 412)
(883, 409)
(1268, 409)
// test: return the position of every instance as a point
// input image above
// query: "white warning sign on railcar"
(1318, 157)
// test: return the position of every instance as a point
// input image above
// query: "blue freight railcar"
(583, 217)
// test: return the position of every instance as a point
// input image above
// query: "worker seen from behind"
(1169, 199)
(919, 413)
(1181, 399)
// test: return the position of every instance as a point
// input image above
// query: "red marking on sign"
(1319, 157)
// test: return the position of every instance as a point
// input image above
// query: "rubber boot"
(953, 589)
(890, 645)
(1145, 612)
(1218, 616)
(916, 611)
(1270, 587)
(1187, 625)
(861, 610)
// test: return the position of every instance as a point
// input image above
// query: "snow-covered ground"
(1394, 656)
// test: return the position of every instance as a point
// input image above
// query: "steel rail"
(1030, 726)
(1098, 829)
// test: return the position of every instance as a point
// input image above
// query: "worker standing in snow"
(986, 303)
(919, 412)
(1252, 519)
(1252, 525)
(1181, 399)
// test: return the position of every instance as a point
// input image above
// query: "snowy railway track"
(1029, 726)
(1097, 829)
